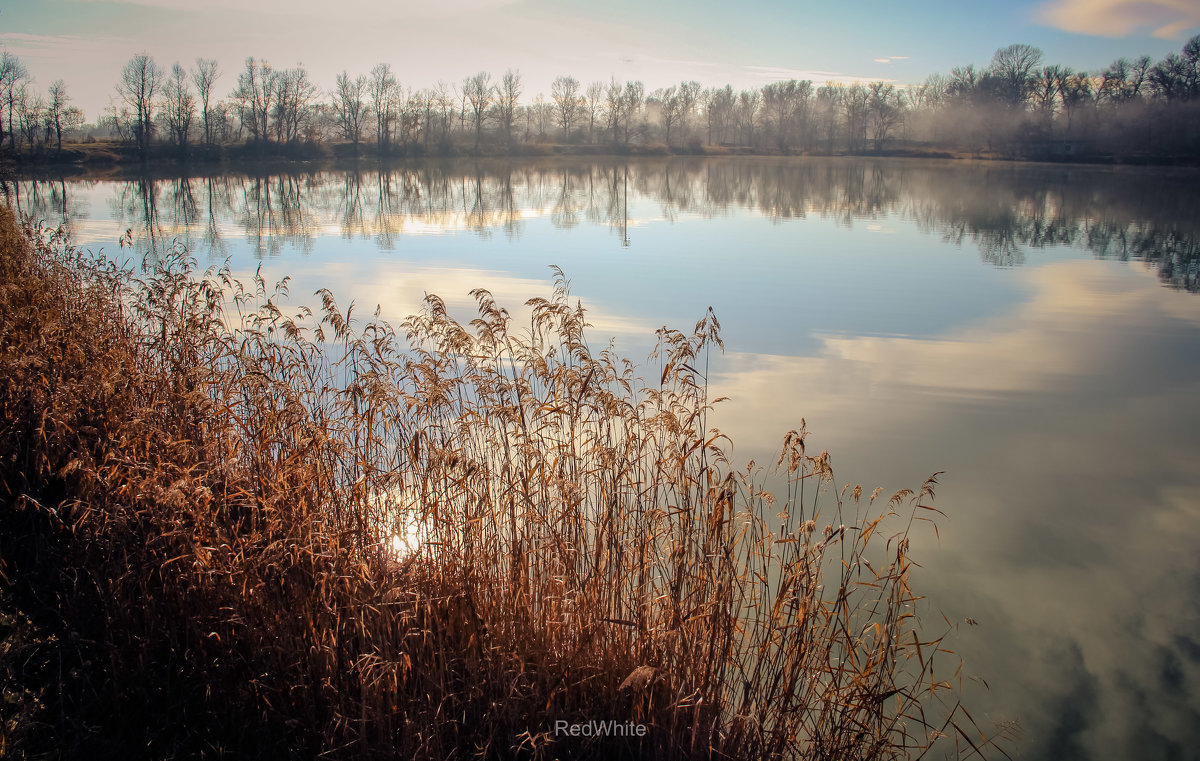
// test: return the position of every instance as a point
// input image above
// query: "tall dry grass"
(203, 504)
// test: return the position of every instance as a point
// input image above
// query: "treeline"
(1016, 106)
(30, 120)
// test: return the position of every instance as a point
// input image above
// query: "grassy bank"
(100, 154)
(230, 531)
(103, 155)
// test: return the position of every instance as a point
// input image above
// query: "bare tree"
(785, 107)
(12, 75)
(293, 95)
(1113, 82)
(1138, 74)
(886, 109)
(614, 107)
(541, 113)
(58, 110)
(747, 115)
(411, 115)
(689, 98)
(1076, 94)
(477, 91)
(350, 107)
(461, 94)
(855, 106)
(778, 105)
(1168, 77)
(718, 113)
(565, 91)
(508, 95)
(254, 94)
(204, 75)
(221, 117)
(667, 102)
(385, 102)
(592, 107)
(932, 92)
(1177, 77)
(802, 114)
(444, 96)
(632, 99)
(141, 80)
(1013, 67)
(1046, 89)
(422, 103)
(963, 84)
(828, 110)
(71, 119)
(30, 115)
(180, 105)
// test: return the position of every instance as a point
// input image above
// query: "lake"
(1031, 330)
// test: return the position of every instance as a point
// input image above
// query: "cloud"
(365, 9)
(993, 362)
(776, 73)
(890, 58)
(38, 45)
(1168, 19)
(400, 292)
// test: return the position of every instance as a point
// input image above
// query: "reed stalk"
(254, 532)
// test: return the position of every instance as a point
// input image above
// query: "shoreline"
(101, 159)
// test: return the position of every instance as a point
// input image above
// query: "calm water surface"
(1032, 331)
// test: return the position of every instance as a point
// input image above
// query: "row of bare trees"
(1130, 107)
(1017, 103)
(29, 119)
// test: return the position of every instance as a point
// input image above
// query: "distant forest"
(1018, 106)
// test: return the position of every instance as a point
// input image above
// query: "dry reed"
(203, 498)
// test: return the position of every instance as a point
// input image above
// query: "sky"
(86, 42)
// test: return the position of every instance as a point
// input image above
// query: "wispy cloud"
(988, 361)
(776, 73)
(1168, 19)
(402, 293)
(890, 58)
(365, 9)
(35, 45)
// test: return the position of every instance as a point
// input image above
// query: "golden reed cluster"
(226, 530)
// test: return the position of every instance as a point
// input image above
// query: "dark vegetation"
(225, 531)
(1015, 107)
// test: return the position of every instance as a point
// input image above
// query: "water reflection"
(1068, 429)
(1006, 324)
(1005, 212)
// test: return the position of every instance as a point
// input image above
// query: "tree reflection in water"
(1006, 211)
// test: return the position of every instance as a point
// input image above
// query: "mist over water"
(1033, 331)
